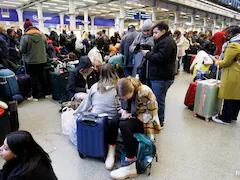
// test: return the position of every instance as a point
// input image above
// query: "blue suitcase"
(8, 83)
(91, 136)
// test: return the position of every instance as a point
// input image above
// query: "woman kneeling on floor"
(25, 159)
(140, 108)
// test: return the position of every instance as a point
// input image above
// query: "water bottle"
(137, 76)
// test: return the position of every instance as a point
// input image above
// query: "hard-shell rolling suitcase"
(190, 95)
(4, 125)
(59, 82)
(206, 102)
(91, 136)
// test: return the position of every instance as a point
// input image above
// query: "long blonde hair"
(108, 77)
(85, 36)
(125, 86)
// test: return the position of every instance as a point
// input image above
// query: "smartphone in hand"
(127, 115)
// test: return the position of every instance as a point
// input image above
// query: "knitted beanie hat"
(27, 24)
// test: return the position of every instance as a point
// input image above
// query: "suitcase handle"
(89, 121)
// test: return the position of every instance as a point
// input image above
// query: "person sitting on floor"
(81, 79)
(25, 159)
(140, 104)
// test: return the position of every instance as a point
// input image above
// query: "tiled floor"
(188, 148)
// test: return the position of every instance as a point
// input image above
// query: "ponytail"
(125, 86)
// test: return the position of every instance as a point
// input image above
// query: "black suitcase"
(59, 83)
(24, 83)
(13, 115)
(4, 125)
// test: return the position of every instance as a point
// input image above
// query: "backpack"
(146, 152)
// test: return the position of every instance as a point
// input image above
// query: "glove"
(137, 48)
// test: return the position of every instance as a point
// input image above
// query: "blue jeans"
(160, 89)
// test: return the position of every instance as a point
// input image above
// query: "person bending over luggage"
(230, 84)
(101, 97)
(25, 159)
(82, 78)
(139, 115)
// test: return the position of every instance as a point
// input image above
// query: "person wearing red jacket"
(219, 39)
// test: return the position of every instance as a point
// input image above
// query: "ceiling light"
(114, 5)
(11, 2)
(114, 9)
(129, 2)
(32, 8)
(144, 10)
(79, 3)
(62, 8)
(197, 16)
(127, 7)
(164, 9)
(105, 11)
(91, 1)
(103, 15)
(54, 10)
(61, 1)
(171, 14)
(8, 5)
(111, 14)
(48, 3)
(96, 13)
(66, 6)
(45, 6)
(140, 5)
(183, 13)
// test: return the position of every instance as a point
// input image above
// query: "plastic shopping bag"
(66, 119)
(73, 131)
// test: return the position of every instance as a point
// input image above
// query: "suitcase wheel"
(81, 155)
(102, 159)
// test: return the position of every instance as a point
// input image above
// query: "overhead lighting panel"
(114, 5)
(61, 1)
(127, 7)
(90, 1)
(8, 5)
(48, 3)
(105, 11)
(62, 8)
(114, 9)
(163, 9)
(57, 10)
(11, 2)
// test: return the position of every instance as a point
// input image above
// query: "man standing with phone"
(161, 65)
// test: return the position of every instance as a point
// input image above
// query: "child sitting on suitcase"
(81, 79)
(139, 115)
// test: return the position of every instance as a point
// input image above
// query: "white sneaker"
(47, 96)
(110, 160)
(129, 171)
(3, 105)
(217, 119)
(32, 99)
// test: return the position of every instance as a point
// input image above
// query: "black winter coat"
(162, 59)
(77, 83)
(41, 172)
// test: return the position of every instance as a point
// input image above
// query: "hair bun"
(27, 19)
